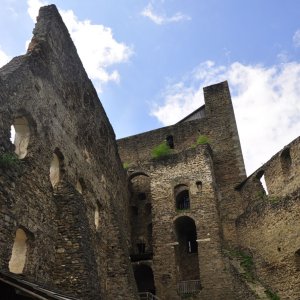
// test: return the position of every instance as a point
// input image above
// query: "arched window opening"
(20, 135)
(18, 257)
(286, 161)
(170, 141)
(186, 234)
(183, 200)
(297, 260)
(260, 175)
(56, 167)
(187, 249)
(144, 279)
(199, 186)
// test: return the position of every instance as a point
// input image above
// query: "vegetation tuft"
(161, 150)
(202, 139)
(9, 160)
(126, 165)
(246, 262)
(271, 295)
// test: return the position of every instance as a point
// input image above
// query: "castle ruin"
(83, 216)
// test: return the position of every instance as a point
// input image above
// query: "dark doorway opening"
(144, 279)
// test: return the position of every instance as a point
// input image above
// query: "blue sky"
(149, 60)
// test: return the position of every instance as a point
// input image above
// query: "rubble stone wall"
(49, 87)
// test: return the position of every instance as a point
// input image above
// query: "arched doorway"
(187, 249)
(143, 275)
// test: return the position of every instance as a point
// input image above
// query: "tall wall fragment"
(68, 250)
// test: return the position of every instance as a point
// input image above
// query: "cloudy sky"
(150, 59)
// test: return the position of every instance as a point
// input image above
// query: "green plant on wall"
(246, 262)
(202, 139)
(161, 150)
(126, 165)
(9, 160)
(271, 295)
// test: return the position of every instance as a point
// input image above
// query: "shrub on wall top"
(161, 150)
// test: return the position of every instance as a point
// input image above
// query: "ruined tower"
(83, 216)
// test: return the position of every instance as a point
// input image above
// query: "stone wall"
(269, 226)
(270, 231)
(50, 89)
(282, 171)
(194, 169)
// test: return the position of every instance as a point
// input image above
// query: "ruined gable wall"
(282, 172)
(270, 225)
(50, 88)
(270, 231)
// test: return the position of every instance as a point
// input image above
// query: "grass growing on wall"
(271, 295)
(126, 165)
(9, 160)
(161, 150)
(202, 139)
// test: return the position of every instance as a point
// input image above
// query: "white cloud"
(148, 12)
(266, 102)
(296, 38)
(95, 43)
(4, 58)
(33, 8)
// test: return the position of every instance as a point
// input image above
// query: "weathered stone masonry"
(49, 87)
(74, 221)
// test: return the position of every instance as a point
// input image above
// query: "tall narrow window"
(97, 216)
(19, 251)
(186, 251)
(286, 161)
(170, 141)
(80, 185)
(56, 167)
(183, 200)
(260, 175)
(199, 186)
(20, 135)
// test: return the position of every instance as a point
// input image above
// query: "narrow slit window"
(170, 141)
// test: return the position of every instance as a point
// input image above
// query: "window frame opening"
(286, 161)
(97, 215)
(56, 167)
(182, 200)
(144, 278)
(20, 136)
(142, 196)
(19, 252)
(261, 177)
(170, 141)
(186, 251)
